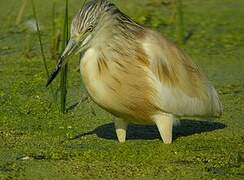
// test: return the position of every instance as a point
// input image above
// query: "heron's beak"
(70, 48)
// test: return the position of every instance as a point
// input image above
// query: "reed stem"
(21, 12)
(41, 46)
(64, 71)
(55, 35)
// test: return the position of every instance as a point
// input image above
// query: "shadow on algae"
(145, 132)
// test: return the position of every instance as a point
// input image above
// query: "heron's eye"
(90, 28)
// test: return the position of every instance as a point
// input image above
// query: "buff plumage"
(136, 74)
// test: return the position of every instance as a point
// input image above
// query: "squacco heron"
(135, 73)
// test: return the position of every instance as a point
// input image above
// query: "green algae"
(37, 142)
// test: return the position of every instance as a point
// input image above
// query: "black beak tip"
(52, 76)
(48, 83)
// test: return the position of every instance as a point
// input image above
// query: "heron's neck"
(117, 32)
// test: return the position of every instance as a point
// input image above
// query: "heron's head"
(83, 28)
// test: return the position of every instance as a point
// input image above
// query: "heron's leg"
(164, 123)
(120, 127)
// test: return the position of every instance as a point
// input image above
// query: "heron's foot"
(120, 127)
(164, 123)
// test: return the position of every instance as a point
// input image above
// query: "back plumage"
(185, 91)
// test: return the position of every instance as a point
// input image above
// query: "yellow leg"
(164, 123)
(120, 127)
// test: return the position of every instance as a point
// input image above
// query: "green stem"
(41, 46)
(21, 12)
(64, 71)
(54, 47)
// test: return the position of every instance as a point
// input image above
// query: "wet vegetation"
(39, 142)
